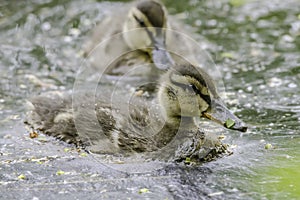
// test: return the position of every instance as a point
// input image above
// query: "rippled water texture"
(256, 46)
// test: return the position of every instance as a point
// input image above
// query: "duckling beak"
(222, 115)
(161, 57)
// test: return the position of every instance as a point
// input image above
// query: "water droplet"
(46, 26)
(287, 38)
(249, 89)
(292, 85)
(248, 105)
(22, 86)
(262, 87)
(198, 22)
(74, 31)
(212, 22)
(67, 39)
(274, 82)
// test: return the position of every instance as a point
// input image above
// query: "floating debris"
(229, 123)
(143, 190)
(228, 55)
(187, 160)
(83, 154)
(268, 146)
(60, 172)
(215, 194)
(21, 177)
(43, 139)
(221, 137)
(33, 134)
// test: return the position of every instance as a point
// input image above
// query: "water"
(256, 46)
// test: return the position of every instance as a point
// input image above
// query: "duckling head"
(187, 91)
(149, 18)
(144, 29)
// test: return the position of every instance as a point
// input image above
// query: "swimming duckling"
(136, 34)
(185, 94)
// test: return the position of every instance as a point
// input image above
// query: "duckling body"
(125, 123)
(135, 126)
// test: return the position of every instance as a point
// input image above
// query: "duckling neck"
(162, 59)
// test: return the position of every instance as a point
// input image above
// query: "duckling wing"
(99, 125)
(52, 114)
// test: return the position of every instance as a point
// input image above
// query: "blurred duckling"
(137, 34)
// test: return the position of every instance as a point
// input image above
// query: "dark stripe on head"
(199, 74)
(193, 88)
(153, 11)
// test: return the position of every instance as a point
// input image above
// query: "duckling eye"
(140, 21)
(193, 88)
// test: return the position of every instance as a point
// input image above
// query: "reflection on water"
(256, 45)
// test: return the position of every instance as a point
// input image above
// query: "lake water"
(256, 47)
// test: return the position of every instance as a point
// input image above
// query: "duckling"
(137, 34)
(162, 124)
